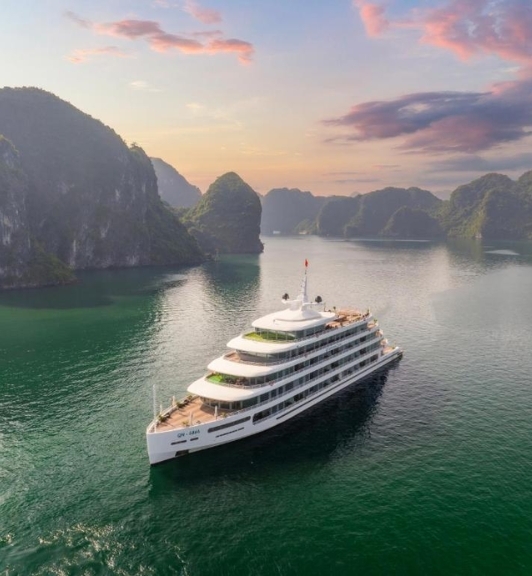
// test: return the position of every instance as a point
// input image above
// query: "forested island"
(227, 218)
(491, 207)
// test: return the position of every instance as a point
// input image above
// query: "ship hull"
(170, 444)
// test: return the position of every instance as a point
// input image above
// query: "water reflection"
(342, 421)
(96, 288)
(490, 255)
(232, 281)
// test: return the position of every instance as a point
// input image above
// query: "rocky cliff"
(493, 207)
(369, 214)
(89, 199)
(23, 262)
(227, 218)
(289, 211)
(174, 188)
(412, 223)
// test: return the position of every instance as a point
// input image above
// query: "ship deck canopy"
(290, 320)
(243, 370)
(207, 389)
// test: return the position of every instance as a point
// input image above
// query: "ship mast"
(303, 295)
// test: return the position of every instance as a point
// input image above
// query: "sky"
(331, 96)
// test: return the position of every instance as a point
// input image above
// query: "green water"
(424, 469)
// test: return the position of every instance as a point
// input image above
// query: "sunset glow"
(331, 97)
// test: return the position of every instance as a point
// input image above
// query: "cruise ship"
(290, 361)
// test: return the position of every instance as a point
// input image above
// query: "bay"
(423, 469)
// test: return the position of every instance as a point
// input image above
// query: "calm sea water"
(425, 469)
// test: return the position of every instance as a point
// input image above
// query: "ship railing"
(328, 374)
(240, 381)
(226, 414)
(335, 324)
(167, 412)
(231, 355)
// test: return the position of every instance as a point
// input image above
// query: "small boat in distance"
(291, 361)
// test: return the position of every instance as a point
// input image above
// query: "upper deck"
(273, 342)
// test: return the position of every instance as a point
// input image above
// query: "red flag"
(306, 263)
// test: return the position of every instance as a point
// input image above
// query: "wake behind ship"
(291, 361)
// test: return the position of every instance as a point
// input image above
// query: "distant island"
(173, 187)
(491, 207)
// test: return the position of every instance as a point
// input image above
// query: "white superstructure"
(294, 359)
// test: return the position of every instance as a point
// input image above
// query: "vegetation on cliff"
(227, 218)
(173, 187)
(412, 223)
(369, 214)
(493, 206)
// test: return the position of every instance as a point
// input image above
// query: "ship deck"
(347, 316)
(180, 415)
(193, 411)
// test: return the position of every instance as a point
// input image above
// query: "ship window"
(249, 402)
(261, 415)
(228, 425)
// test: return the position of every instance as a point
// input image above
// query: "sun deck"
(343, 317)
(347, 316)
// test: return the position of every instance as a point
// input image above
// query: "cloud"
(77, 19)
(473, 163)
(373, 17)
(204, 15)
(243, 49)
(444, 121)
(465, 27)
(142, 86)
(207, 34)
(131, 29)
(453, 121)
(83, 54)
(468, 27)
(161, 41)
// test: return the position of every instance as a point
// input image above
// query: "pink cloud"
(131, 29)
(428, 122)
(162, 41)
(468, 27)
(467, 122)
(243, 49)
(204, 15)
(83, 54)
(373, 17)
(465, 27)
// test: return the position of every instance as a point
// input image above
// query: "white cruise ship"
(291, 361)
